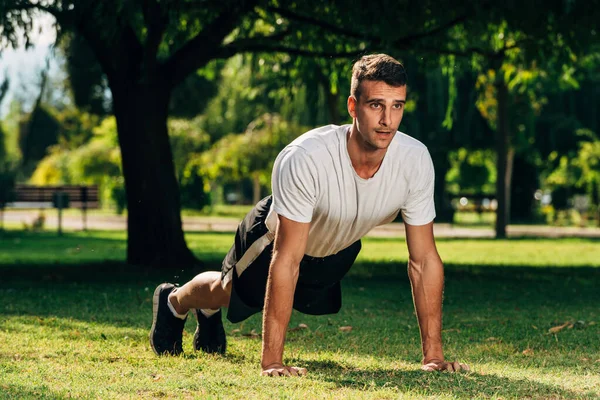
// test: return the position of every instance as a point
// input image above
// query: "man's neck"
(366, 160)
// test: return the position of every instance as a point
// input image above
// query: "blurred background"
(164, 108)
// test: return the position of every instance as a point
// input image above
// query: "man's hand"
(281, 370)
(436, 365)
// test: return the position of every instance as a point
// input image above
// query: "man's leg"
(204, 292)
(207, 293)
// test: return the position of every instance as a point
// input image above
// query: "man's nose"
(386, 117)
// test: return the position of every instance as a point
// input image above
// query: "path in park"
(221, 224)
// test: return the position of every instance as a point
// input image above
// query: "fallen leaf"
(559, 328)
(298, 328)
(235, 331)
(345, 328)
(534, 327)
(451, 330)
(156, 377)
(252, 334)
(580, 325)
(493, 339)
(528, 352)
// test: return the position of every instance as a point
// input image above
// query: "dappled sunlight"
(542, 252)
(525, 331)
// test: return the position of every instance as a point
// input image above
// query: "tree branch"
(411, 38)
(200, 49)
(469, 51)
(322, 24)
(375, 41)
(258, 46)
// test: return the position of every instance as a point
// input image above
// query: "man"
(330, 187)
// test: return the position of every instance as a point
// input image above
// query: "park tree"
(514, 47)
(38, 130)
(147, 48)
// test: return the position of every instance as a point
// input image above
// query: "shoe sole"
(155, 299)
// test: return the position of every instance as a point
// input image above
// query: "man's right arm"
(290, 243)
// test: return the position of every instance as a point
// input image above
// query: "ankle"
(175, 305)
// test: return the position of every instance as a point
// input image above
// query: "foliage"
(39, 131)
(85, 79)
(471, 172)
(98, 160)
(11, 128)
(579, 173)
(7, 182)
(250, 154)
(76, 127)
(187, 138)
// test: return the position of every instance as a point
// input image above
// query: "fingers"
(284, 371)
(456, 367)
(431, 367)
(445, 366)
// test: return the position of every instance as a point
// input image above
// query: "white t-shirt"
(313, 181)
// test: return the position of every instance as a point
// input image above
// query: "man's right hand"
(281, 370)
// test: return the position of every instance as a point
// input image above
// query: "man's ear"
(352, 106)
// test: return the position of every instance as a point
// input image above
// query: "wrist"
(433, 353)
(269, 365)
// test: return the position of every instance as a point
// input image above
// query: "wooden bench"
(29, 196)
(59, 196)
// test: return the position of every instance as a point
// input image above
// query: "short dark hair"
(377, 67)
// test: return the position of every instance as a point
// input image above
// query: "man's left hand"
(435, 365)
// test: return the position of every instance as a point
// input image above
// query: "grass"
(74, 322)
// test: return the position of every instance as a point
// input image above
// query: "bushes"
(98, 161)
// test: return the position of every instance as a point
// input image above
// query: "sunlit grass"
(81, 247)
(67, 334)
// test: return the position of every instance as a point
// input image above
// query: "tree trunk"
(444, 211)
(504, 162)
(155, 234)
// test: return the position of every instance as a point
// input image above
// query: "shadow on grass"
(467, 385)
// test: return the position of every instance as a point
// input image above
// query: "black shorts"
(318, 290)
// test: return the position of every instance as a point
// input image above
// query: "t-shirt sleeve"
(294, 185)
(419, 208)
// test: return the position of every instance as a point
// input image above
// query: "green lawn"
(74, 322)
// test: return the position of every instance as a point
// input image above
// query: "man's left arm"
(426, 273)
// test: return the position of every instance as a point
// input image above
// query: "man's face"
(377, 113)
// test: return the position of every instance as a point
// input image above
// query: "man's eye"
(375, 105)
(398, 106)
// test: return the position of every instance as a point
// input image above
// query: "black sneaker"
(167, 330)
(210, 334)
